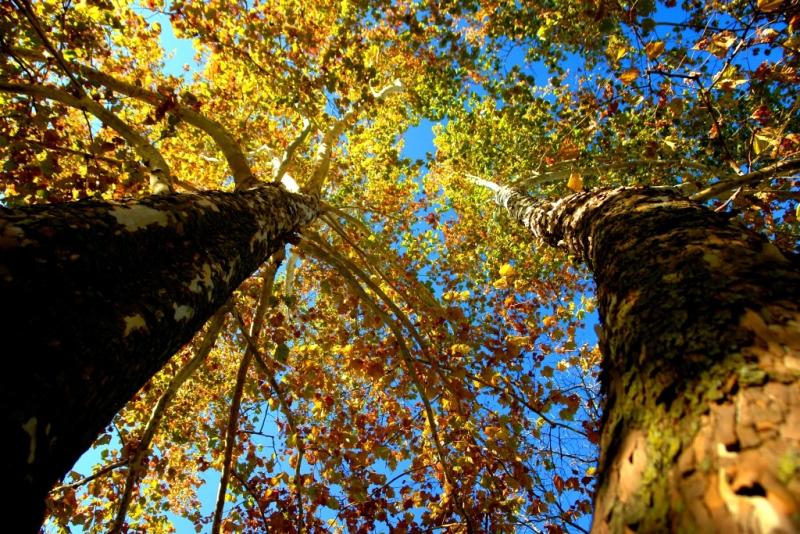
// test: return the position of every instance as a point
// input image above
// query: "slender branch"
(85, 480)
(240, 168)
(152, 158)
(322, 160)
(354, 269)
(510, 392)
(27, 10)
(290, 419)
(776, 169)
(230, 439)
(288, 156)
(65, 150)
(157, 414)
(254, 496)
(423, 291)
(265, 302)
(346, 216)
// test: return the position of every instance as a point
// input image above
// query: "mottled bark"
(701, 370)
(97, 296)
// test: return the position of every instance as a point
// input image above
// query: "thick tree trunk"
(701, 369)
(96, 297)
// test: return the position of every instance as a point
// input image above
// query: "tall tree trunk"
(97, 296)
(701, 369)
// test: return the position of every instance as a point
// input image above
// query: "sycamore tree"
(409, 362)
(341, 394)
(698, 314)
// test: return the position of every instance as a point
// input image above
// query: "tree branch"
(288, 156)
(343, 267)
(290, 419)
(776, 169)
(85, 480)
(240, 168)
(265, 302)
(322, 160)
(152, 158)
(25, 7)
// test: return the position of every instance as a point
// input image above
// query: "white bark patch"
(138, 217)
(205, 279)
(30, 429)
(261, 235)
(182, 312)
(207, 204)
(290, 184)
(133, 322)
(229, 275)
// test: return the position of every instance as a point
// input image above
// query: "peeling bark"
(701, 372)
(97, 296)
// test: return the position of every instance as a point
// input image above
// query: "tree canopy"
(413, 362)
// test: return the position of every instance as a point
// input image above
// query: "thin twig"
(290, 419)
(27, 10)
(100, 472)
(344, 268)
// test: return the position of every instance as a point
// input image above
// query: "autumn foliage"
(414, 362)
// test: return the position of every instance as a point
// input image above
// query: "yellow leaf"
(616, 49)
(768, 6)
(629, 76)
(460, 349)
(793, 42)
(729, 78)
(501, 283)
(764, 139)
(507, 270)
(721, 42)
(654, 49)
(797, 211)
(575, 182)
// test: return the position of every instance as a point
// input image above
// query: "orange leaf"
(629, 76)
(654, 49)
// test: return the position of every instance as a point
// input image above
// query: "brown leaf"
(768, 6)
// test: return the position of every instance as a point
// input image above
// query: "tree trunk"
(701, 369)
(96, 297)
